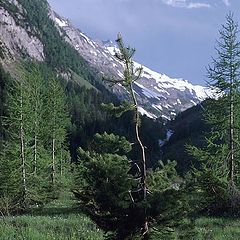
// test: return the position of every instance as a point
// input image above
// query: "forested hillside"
(189, 128)
(72, 154)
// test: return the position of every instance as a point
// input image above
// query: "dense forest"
(62, 136)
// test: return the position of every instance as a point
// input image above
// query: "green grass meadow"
(58, 220)
(61, 220)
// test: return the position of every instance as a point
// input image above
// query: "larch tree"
(17, 129)
(57, 120)
(222, 152)
(35, 127)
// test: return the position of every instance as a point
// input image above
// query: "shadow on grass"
(52, 211)
(65, 205)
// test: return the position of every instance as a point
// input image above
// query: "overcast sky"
(175, 37)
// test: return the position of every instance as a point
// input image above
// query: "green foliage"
(163, 176)
(167, 204)
(102, 182)
(189, 128)
(25, 162)
(110, 143)
(217, 180)
(210, 192)
(118, 110)
(108, 190)
(4, 78)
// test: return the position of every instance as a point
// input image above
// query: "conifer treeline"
(34, 125)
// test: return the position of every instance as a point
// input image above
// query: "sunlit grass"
(73, 226)
(58, 220)
(218, 229)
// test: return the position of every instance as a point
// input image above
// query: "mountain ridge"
(158, 94)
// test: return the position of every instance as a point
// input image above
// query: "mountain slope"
(158, 94)
(35, 36)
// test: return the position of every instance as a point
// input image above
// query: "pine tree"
(131, 75)
(102, 182)
(111, 182)
(37, 154)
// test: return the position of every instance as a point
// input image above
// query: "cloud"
(187, 4)
(226, 2)
(198, 5)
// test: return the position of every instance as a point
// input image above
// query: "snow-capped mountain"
(158, 94)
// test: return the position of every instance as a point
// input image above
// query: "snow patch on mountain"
(144, 112)
(61, 22)
(157, 94)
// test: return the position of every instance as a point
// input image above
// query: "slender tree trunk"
(144, 171)
(54, 144)
(35, 150)
(233, 191)
(35, 135)
(24, 184)
(232, 163)
(61, 162)
(53, 161)
(231, 125)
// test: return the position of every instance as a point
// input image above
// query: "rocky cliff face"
(15, 40)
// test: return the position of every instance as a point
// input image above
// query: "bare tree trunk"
(35, 150)
(53, 144)
(234, 195)
(61, 162)
(24, 184)
(231, 125)
(53, 160)
(35, 135)
(231, 163)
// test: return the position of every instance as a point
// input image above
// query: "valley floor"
(60, 220)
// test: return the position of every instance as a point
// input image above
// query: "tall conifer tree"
(57, 120)
(221, 155)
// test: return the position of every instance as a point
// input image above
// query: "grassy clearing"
(82, 81)
(73, 226)
(61, 220)
(217, 229)
(58, 220)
